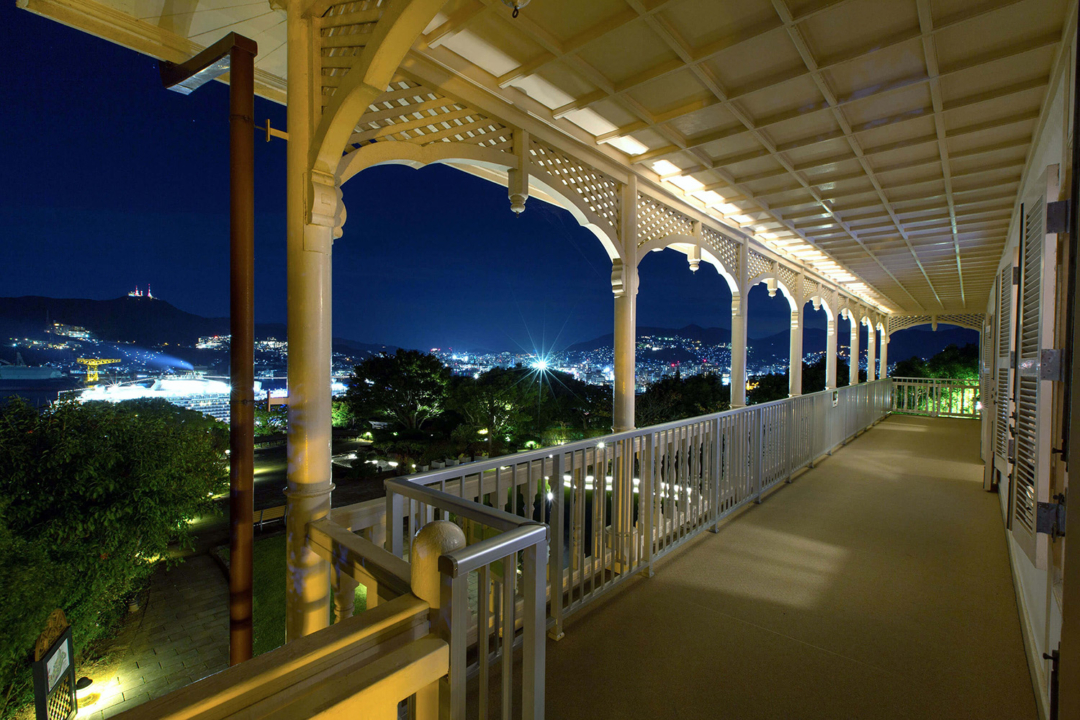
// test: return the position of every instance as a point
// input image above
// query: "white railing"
(937, 397)
(660, 486)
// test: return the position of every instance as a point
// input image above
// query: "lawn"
(269, 593)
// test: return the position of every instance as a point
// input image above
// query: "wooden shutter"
(1036, 301)
(1004, 347)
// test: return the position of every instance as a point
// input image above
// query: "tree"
(341, 415)
(271, 421)
(674, 397)
(92, 498)
(493, 403)
(952, 362)
(406, 389)
(767, 388)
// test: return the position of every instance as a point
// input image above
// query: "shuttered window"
(1033, 396)
(1004, 335)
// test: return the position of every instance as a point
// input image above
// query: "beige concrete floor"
(875, 586)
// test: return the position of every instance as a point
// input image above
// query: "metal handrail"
(473, 557)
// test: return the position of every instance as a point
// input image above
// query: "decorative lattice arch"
(410, 112)
(344, 31)
(757, 264)
(726, 249)
(656, 220)
(598, 191)
(972, 321)
(809, 287)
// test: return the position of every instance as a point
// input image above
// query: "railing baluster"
(556, 522)
(509, 573)
(483, 635)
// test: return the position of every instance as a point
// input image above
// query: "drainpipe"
(235, 54)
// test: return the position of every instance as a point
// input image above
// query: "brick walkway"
(183, 636)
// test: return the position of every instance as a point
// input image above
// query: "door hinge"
(1050, 367)
(1050, 517)
(1016, 275)
(1057, 217)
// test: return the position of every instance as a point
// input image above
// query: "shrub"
(93, 495)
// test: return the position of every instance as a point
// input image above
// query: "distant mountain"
(904, 344)
(143, 321)
(927, 343)
(707, 336)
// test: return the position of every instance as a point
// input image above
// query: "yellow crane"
(92, 367)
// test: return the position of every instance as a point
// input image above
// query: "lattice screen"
(656, 220)
(724, 247)
(809, 287)
(789, 277)
(343, 32)
(757, 264)
(599, 192)
(974, 321)
(409, 112)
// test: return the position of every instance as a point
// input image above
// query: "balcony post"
(738, 353)
(624, 281)
(796, 347)
(853, 360)
(311, 217)
(830, 355)
(871, 353)
(884, 355)
(738, 334)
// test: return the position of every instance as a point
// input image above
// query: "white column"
(625, 346)
(884, 355)
(795, 361)
(871, 354)
(624, 285)
(307, 580)
(830, 355)
(738, 352)
(853, 362)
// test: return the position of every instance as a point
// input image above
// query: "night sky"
(110, 181)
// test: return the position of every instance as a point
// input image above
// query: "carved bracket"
(325, 208)
(517, 185)
(622, 278)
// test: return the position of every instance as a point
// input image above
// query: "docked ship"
(38, 385)
(20, 372)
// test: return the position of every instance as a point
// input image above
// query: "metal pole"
(241, 349)
(235, 54)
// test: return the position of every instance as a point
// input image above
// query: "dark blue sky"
(110, 181)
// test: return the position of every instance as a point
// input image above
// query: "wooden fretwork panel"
(1031, 466)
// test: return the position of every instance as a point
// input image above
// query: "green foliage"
(674, 397)
(493, 406)
(271, 422)
(93, 495)
(341, 414)
(405, 390)
(952, 362)
(767, 388)
(813, 379)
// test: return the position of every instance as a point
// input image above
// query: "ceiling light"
(709, 197)
(628, 145)
(686, 183)
(664, 167)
